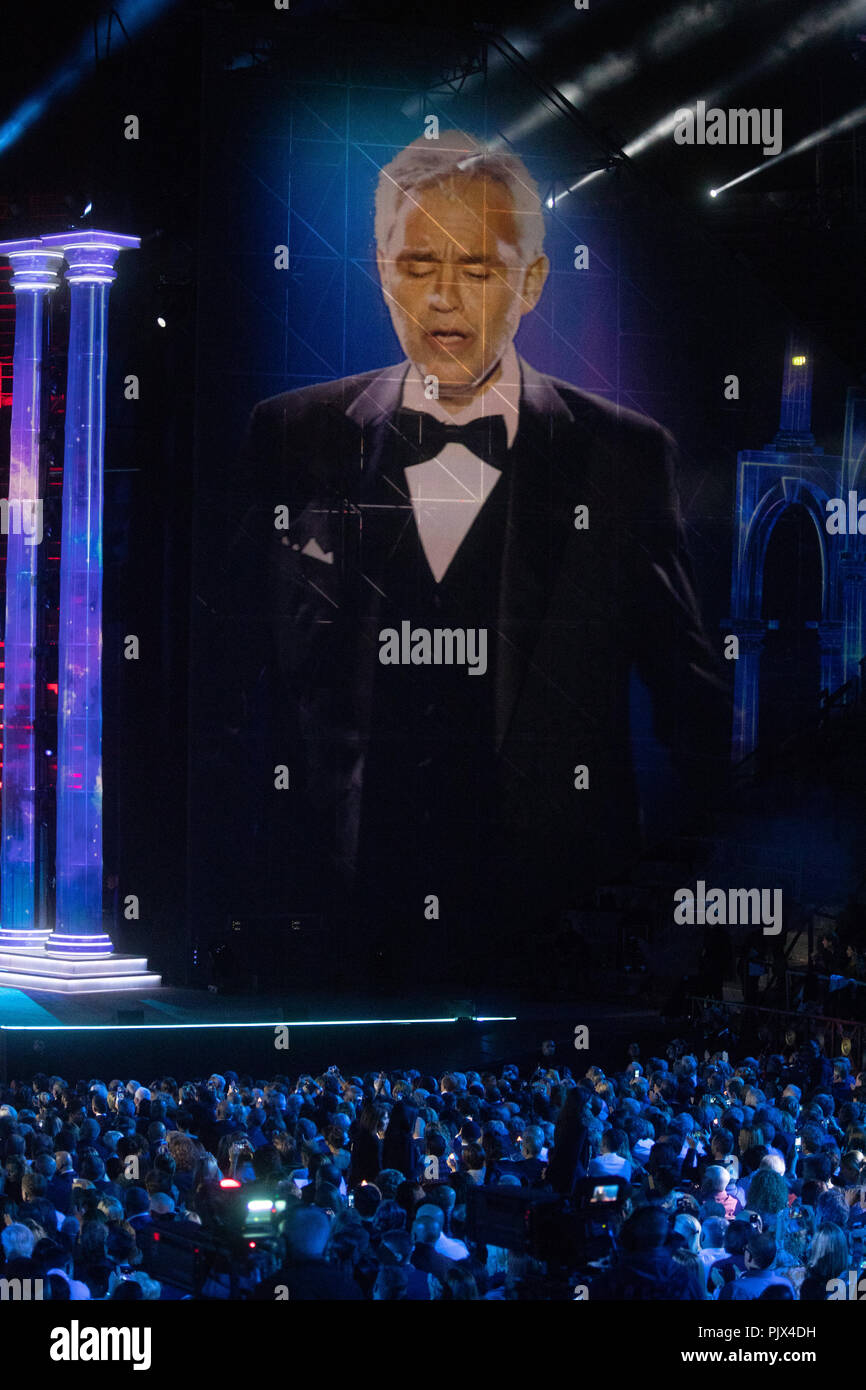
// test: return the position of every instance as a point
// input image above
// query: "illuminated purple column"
(35, 274)
(78, 929)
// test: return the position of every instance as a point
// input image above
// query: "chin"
(465, 386)
(450, 373)
(460, 381)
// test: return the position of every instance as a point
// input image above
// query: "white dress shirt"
(449, 491)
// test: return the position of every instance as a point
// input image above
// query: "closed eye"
(420, 270)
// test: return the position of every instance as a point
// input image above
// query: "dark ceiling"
(799, 223)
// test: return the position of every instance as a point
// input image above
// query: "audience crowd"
(735, 1179)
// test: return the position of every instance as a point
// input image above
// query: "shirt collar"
(503, 398)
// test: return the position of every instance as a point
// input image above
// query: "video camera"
(239, 1243)
(562, 1231)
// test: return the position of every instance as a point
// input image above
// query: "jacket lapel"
(373, 412)
(546, 467)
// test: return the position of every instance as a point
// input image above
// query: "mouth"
(448, 338)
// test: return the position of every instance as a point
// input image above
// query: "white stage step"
(38, 963)
(105, 984)
(36, 970)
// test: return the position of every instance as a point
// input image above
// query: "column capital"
(34, 265)
(750, 631)
(830, 635)
(90, 254)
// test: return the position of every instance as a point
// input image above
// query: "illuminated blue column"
(78, 929)
(35, 274)
(747, 676)
(853, 608)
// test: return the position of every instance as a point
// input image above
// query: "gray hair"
(434, 163)
(17, 1241)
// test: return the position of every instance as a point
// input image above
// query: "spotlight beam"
(557, 101)
(817, 24)
(136, 15)
(658, 42)
(838, 127)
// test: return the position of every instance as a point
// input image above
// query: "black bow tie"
(486, 436)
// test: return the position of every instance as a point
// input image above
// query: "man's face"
(455, 282)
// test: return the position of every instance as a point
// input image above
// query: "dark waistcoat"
(430, 779)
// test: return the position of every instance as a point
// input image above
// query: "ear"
(533, 283)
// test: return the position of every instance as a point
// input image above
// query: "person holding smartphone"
(794, 1155)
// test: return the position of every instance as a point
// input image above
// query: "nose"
(445, 296)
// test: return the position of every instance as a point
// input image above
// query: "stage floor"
(189, 1006)
(185, 1033)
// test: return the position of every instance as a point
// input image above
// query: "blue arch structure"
(789, 492)
(793, 471)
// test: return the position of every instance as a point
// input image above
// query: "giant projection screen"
(449, 690)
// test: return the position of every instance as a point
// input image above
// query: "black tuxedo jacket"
(578, 609)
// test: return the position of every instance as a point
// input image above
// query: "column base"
(93, 946)
(23, 939)
(36, 969)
